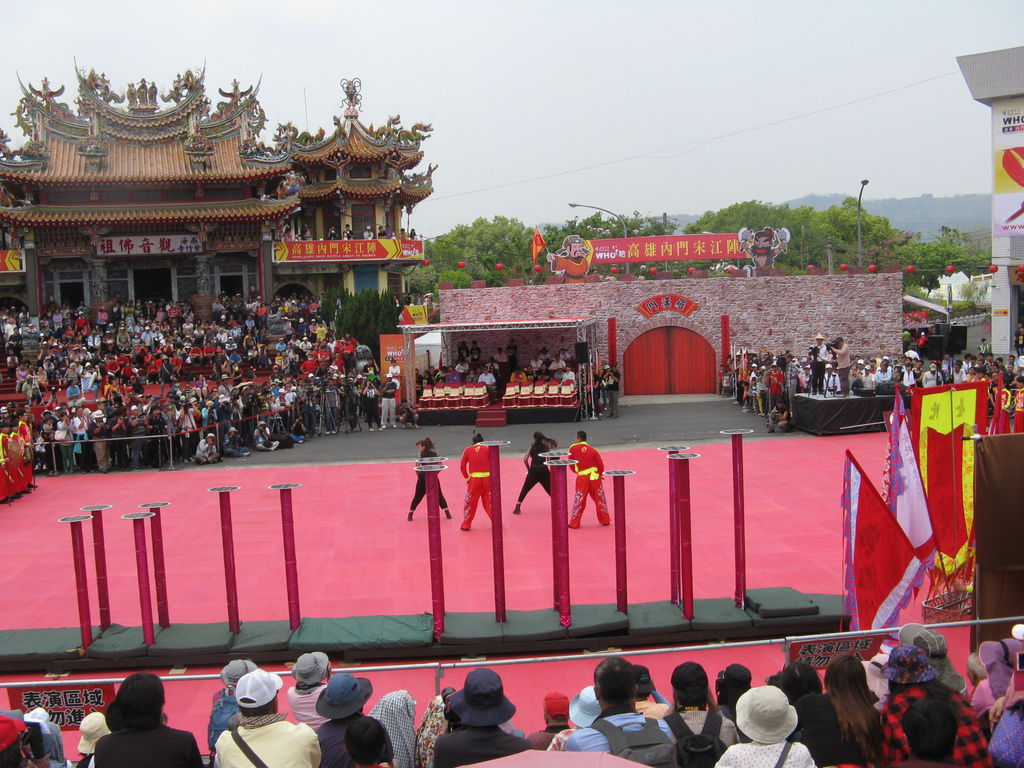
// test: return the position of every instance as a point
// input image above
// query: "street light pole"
(860, 247)
(625, 231)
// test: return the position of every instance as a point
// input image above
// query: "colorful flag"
(538, 245)
(902, 489)
(879, 561)
(941, 419)
(1000, 422)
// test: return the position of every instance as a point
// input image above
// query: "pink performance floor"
(357, 555)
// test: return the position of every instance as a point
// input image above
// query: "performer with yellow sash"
(25, 433)
(476, 468)
(589, 467)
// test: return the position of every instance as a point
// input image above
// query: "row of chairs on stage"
(474, 395)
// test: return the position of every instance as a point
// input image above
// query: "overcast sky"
(675, 107)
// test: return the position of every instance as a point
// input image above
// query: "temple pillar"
(31, 275)
(266, 262)
(204, 274)
(97, 280)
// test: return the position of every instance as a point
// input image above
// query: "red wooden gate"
(668, 361)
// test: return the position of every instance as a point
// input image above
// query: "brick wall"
(777, 313)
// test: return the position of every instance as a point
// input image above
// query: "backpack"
(224, 708)
(697, 750)
(647, 746)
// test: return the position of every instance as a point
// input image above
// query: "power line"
(696, 144)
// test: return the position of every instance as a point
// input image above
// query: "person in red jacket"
(589, 467)
(476, 468)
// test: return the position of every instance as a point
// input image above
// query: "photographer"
(819, 355)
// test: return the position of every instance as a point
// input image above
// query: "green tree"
(365, 315)
(931, 258)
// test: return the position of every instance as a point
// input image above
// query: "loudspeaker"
(582, 352)
(936, 347)
(941, 329)
(957, 338)
(885, 389)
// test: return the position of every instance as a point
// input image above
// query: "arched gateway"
(669, 361)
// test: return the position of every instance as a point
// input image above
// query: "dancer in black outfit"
(536, 470)
(426, 446)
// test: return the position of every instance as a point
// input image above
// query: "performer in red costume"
(476, 468)
(589, 467)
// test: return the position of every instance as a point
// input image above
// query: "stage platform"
(463, 416)
(840, 415)
(363, 569)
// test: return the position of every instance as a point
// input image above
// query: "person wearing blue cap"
(482, 708)
(341, 702)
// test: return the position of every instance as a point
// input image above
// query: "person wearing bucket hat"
(311, 671)
(263, 730)
(225, 706)
(341, 702)
(934, 645)
(482, 708)
(766, 716)
(92, 728)
(912, 678)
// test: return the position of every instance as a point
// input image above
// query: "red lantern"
(426, 262)
(615, 270)
(499, 266)
(537, 267)
(653, 271)
(730, 269)
(911, 269)
(692, 270)
(811, 267)
(461, 265)
(950, 269)
(843, 267)
(993, 268)
(872, 267)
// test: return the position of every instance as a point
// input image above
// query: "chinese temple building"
(144, 194)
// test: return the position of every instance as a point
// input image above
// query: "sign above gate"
(667, 302)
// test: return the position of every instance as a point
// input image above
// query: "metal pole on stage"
(291, 568)
(142, 569)
(497, 534)
(673, 526)
(679, 465)
(156, 531)
(618, 477)
(560, 521)
(81, 580)
(555, 530)
(100, 557)
(739, 522)
(430, 467)
(227, 541)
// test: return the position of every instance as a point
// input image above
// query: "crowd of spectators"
(907, 707)
(765, 383)
(143, 383)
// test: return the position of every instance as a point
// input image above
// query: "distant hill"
(924, 214)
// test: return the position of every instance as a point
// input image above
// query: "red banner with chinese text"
(66, 703)
(346, 250)
(818, 653)
(667, 248)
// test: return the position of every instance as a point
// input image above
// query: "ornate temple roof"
(143, 135)
(67, 215)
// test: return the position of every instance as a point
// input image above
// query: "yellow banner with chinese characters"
(11, 261)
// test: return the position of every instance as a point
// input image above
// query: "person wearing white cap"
(765, 715)
(833, 385)
(263, 731)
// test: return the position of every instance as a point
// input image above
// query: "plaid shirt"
(970, 749)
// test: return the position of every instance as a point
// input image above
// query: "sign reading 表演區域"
(67, 704)
(148, 245)
(818, 653)
(667, 302)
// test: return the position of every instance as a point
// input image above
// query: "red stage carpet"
(357, 554)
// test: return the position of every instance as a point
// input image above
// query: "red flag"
(880, 564)
(538, 244)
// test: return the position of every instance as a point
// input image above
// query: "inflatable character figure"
(572, 260)
(763, 246)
